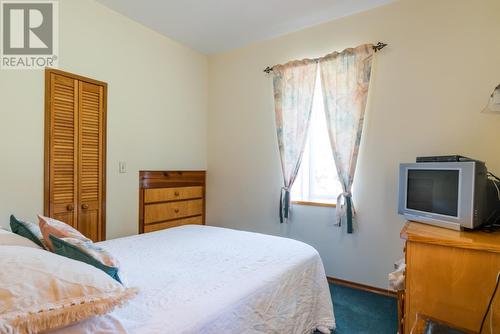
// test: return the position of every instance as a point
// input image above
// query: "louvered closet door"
(75, 151)
(91, 149)
(62, 155)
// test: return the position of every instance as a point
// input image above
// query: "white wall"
(428, 88)
(157, 103)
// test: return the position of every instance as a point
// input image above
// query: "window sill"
(330, 205)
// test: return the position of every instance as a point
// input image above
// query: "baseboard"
(363, 287)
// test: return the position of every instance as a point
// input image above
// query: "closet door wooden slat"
(90, 159)
(63, 157)
(75, 152)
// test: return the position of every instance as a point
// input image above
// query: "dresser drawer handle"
(70, 207)
(176, 210)
(176, 194)
(85, 206)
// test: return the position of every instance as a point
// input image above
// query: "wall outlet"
(123, 167)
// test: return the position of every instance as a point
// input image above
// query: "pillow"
(87, 252)
(27, 230)
(58, 229)
(54, 291)
(8, 238)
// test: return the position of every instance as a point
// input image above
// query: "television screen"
(433, 190)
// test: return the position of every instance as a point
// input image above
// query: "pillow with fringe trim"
(41, 291)
(8, 238)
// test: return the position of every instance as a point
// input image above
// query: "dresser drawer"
(160, 212)
(198, 220)
(171, 198)
(172, 194)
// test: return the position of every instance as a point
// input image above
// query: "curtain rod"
(377, 47)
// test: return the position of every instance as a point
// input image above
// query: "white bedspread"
(208, 280)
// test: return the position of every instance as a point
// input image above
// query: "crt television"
(446, 194)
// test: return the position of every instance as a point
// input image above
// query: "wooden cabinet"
(75, 151)
(450, 276)
(171, 198)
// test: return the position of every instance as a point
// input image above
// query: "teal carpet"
(360, 312)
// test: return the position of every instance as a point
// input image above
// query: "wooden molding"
(46, 156)
(330, 205)
(78, 77)
(363, 287)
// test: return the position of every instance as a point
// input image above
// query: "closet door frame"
(47, 141)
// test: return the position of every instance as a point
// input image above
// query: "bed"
(202, 279)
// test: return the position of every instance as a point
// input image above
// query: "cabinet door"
(91, 160)
(61, 152)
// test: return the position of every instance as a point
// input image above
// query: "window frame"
(308, 165)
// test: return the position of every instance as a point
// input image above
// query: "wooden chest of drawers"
(450, 276)
(171, 198)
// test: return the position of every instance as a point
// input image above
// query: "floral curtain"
(293, 97)
(345, 79)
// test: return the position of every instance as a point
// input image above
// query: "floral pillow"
(28, 230)
(88, 252)
(50, 226)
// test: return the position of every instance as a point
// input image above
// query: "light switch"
(123, 167)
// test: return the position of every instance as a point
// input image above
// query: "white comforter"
(208, 280)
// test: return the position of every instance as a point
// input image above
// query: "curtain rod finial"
(379, 46)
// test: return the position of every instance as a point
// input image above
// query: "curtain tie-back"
(284, 204)
(344, 208)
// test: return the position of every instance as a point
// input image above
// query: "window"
(317, 181)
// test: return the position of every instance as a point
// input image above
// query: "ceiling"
(214, 26)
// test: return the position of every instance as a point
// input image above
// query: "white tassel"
(64, 314)
(341, 210)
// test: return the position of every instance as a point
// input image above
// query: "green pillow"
(69, 250)
(27, 230)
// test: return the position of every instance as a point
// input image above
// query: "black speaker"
(493, 202)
